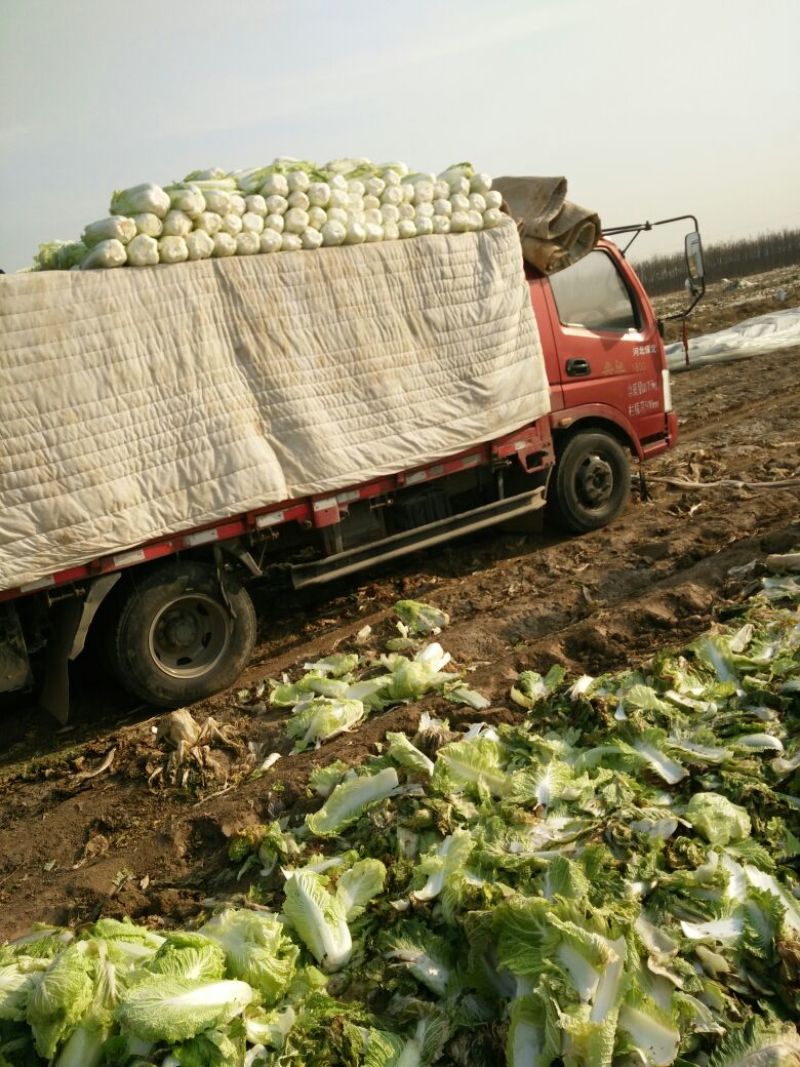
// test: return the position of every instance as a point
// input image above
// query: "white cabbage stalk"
(237, 204)
(475, 220)
(172, 249)
(109, 253)
(275, 185)
(209, 222)
(373, 217)
(296, 220)
(274, 222)
(423, 192)
(442, 207)
(493, 198)
(356, 216)
(231, 224)
(143, 251)
(424, 210)
(459, 222)
(299, 200)
(114, 228)
(217, 200)
(371, 202)
(299, 181)
(391, 176)
(338, 214)
(492, 217)
(356, 233)
(441, 190)
(407, 211)
(140, 198)
(224, 245)
(317, 217)
(270, 241)
(459, 202)
(277, 205)
(390, 231)
(407, 228)
(356, 188)
(333, 232)
(290, 242)
(373, 231)
(177, 224)
(407, 190)
(319, 194)
(441, 224)
(424, 226)
(339, 198)
(247, 243)
(338, 181)
(374, 186)
(148, 223)
(480, 183)
(477, 202)
(256, 204)
(252, 223)
(390, 213)
(392, 194)
(311, 239)
(190, 200)
(199, 245)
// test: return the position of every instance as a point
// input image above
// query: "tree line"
(729, 259)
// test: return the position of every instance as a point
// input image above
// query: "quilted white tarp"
(137, 403)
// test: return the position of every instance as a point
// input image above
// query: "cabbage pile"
(610, 882)
(286, 207)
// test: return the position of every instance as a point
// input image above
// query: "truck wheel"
(591, 484)
(174, 639)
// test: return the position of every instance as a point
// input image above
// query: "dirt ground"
(127, 840)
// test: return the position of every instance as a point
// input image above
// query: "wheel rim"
(189, 636)
(595, 481)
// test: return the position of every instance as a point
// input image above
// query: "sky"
(650, 109)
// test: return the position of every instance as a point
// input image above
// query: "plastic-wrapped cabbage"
(172, 249)
(224, 245)
(109, 253)
(189, 200)
(143, 251)
(199, 244)
(114, 228)
(148, 198)
(177, 224)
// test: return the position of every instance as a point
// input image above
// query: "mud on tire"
(174, 640)
(591, 484)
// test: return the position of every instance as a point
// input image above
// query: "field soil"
(98, 817)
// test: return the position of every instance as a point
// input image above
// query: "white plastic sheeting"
(766, 333)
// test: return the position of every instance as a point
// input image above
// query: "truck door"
(609, 351)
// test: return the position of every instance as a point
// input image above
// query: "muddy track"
(72, 846)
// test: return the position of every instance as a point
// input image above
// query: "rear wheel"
(176, 638)
(591, 484)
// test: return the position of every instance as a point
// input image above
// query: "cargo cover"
(139, 403)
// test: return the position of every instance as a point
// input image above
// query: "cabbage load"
(289, 206)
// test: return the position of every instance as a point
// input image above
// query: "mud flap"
(66, 618)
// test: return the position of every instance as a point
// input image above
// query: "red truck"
(176, 618)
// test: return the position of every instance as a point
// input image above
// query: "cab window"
(592, 294)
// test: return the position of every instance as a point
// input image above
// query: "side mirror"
(694, 262)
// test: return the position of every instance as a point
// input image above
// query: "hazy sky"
(650, 109)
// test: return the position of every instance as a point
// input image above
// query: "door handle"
(578, 368)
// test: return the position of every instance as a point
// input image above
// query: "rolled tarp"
(555, 233)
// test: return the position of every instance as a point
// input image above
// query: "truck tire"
(591, 484)
(175, 640)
